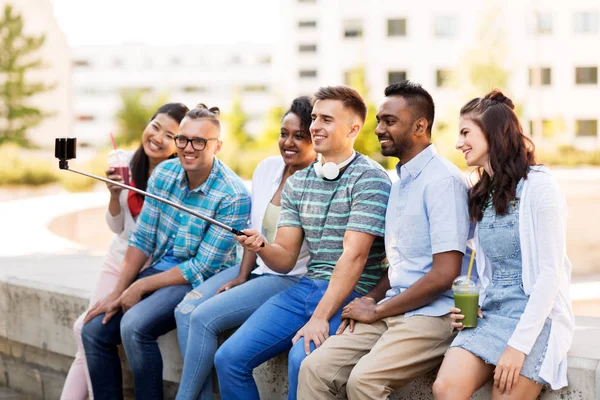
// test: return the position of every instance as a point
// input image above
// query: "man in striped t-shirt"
(338, 204)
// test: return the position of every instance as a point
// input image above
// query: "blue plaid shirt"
(200, 248)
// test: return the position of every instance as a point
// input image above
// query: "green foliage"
(135, 112)
(568, 156)
(17, 58)
(269, 136)
(79, 183)
(237, 142)
(366, 142)
(19, 168)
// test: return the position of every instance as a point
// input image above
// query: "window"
(446, 26)
(444, 78)
(307, 73)
(264, 60)
(193, 89)
(540, 76)
(547, 126)
(307, 48)
(353, 28)
(396, 76)
(396, 27)
(255, 88)
(81, 63)
(586, 22)
(586, 127)
(586, 75)
(543, 23)
(307, 24)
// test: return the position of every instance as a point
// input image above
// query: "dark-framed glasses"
(197, 143)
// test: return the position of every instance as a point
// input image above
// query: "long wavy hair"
(510, 152)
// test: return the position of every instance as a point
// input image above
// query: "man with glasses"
(184, 250)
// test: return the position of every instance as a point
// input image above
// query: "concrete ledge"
(37, 345)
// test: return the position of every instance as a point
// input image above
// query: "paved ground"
(7, 394)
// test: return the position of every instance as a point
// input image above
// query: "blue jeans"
(138, 329)
(268, 333)
(201, 318)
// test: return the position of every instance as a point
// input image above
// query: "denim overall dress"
(505, 299)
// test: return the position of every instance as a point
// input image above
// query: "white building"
(210, 74)
(550, 49)
(38, 18)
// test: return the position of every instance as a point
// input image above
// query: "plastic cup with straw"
(466, 296)
(117, 159)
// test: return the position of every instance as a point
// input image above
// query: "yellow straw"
(470, 265)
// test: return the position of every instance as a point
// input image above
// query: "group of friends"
(343, 270)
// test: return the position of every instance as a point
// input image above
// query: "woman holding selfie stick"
(526, 323)
(124, 206)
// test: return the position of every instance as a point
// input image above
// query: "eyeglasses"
(197, 143)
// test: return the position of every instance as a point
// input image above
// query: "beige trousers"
(376, 358)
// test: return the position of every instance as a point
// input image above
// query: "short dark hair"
(417, 98)
(348, 96)
(302, 107)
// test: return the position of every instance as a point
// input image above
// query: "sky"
(167, 22)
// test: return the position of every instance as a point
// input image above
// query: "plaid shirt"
(203, 249)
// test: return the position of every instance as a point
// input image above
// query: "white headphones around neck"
(330, 170)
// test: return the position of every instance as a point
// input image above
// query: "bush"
(17, 167)
(79, 183)
(568, 156)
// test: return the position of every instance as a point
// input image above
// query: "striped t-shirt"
(324, 209)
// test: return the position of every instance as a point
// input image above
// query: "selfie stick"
(64, 150)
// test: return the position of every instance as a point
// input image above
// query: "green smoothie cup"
(466, 298)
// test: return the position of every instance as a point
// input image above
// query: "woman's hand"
(251, 240)
(114, 190)
(457, 316)
(231, 284)
(507, 371)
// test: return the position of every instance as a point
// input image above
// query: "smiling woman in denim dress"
(525, 326)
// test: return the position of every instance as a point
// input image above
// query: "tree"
(237, 143)
(269, 136)
(17, 59)
(366, 142)
(134, 114)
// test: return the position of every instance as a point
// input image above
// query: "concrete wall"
(37, 346)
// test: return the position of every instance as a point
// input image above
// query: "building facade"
(213, 75)
(548, 50)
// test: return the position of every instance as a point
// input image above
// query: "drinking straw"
(120, 168)
(112, 139)
(470, 265)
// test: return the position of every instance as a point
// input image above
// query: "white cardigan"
(121, 224)
(265, 182)
(546, 274)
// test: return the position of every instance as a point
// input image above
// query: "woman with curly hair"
(526, 324)
(240, 290)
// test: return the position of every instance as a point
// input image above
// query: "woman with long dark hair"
(124, 206)
(526, 323)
